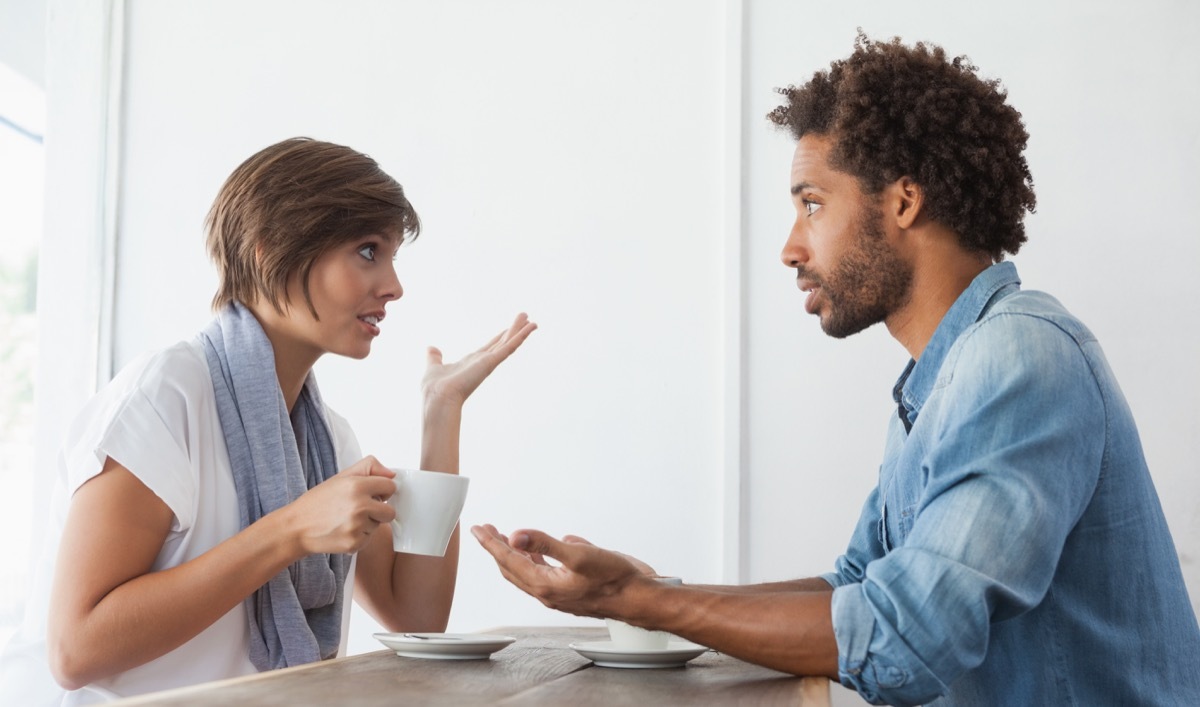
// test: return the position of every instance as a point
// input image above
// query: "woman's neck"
(293, 357)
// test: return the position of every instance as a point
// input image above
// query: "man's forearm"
(808, 584)
(789, 628)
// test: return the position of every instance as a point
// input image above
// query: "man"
(1014, 551)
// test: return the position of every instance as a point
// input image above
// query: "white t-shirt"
(157, 418)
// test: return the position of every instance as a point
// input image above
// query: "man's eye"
(811, 207)
(368, 252)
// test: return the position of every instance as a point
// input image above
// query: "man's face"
(839, 246)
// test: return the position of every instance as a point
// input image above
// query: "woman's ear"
(906, 199)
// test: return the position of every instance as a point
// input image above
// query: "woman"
(209, 508)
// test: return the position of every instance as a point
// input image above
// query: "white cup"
(631, 638)
(427, 505)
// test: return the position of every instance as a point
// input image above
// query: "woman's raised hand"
(454, 382)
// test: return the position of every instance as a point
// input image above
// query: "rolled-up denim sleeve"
(1012, 456)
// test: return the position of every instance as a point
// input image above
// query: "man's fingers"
(510, 561)
(535, 542)
(504, 550)
(492, 541)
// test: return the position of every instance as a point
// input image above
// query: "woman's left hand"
(454, 382)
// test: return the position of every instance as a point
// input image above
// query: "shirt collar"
(990, 286)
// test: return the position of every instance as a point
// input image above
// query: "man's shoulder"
(1025, 331)
(1030, 313)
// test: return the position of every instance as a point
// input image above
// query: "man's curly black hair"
(896, 111)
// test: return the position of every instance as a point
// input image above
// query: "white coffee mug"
(631, 638)
(427, 505)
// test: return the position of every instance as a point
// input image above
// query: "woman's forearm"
(440, 435)
(423, 586)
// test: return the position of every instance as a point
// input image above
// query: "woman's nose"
(392, 289)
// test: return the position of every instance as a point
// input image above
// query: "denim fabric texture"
(1014, 551)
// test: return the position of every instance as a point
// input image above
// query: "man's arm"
(786, 628)
(808, 584)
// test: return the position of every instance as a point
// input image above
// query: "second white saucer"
(605, 655)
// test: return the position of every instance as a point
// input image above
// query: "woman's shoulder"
(143, 417)
(181, 366)
(345, 442)
(169, 382)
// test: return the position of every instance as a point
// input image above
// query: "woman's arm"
(406, 592)
(110, 612)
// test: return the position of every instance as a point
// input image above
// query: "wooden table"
(539, 669)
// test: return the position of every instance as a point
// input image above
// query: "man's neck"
(942, 271)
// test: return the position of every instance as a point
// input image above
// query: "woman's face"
(350, 285)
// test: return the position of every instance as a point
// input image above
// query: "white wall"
(1110, 94)
(567, 159)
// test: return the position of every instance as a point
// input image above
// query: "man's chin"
(842, 329)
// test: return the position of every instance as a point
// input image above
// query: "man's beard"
(869, 284)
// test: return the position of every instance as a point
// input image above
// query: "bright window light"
(22, 171)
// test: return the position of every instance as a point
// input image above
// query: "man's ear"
(906, 200)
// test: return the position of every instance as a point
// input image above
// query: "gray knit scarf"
(296, 617)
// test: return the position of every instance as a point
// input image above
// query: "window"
(22, 171)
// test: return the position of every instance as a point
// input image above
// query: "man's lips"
(812, 287)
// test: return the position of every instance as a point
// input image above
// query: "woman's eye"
(368, 252)
(811, 207)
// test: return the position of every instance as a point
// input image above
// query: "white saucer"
(444, 646)
(605, 655)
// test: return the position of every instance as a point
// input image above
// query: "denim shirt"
(1014, 551)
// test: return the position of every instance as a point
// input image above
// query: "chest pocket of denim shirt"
(899, 489)
(894, 526)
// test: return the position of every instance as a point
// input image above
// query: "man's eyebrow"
(801, 186)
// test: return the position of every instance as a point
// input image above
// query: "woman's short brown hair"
(288, 204)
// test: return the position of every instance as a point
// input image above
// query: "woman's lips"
(371, 322)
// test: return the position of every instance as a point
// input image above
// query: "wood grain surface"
(539, 669)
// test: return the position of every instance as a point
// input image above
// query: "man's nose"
(795, 250)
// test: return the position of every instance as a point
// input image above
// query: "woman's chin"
(355, 352)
